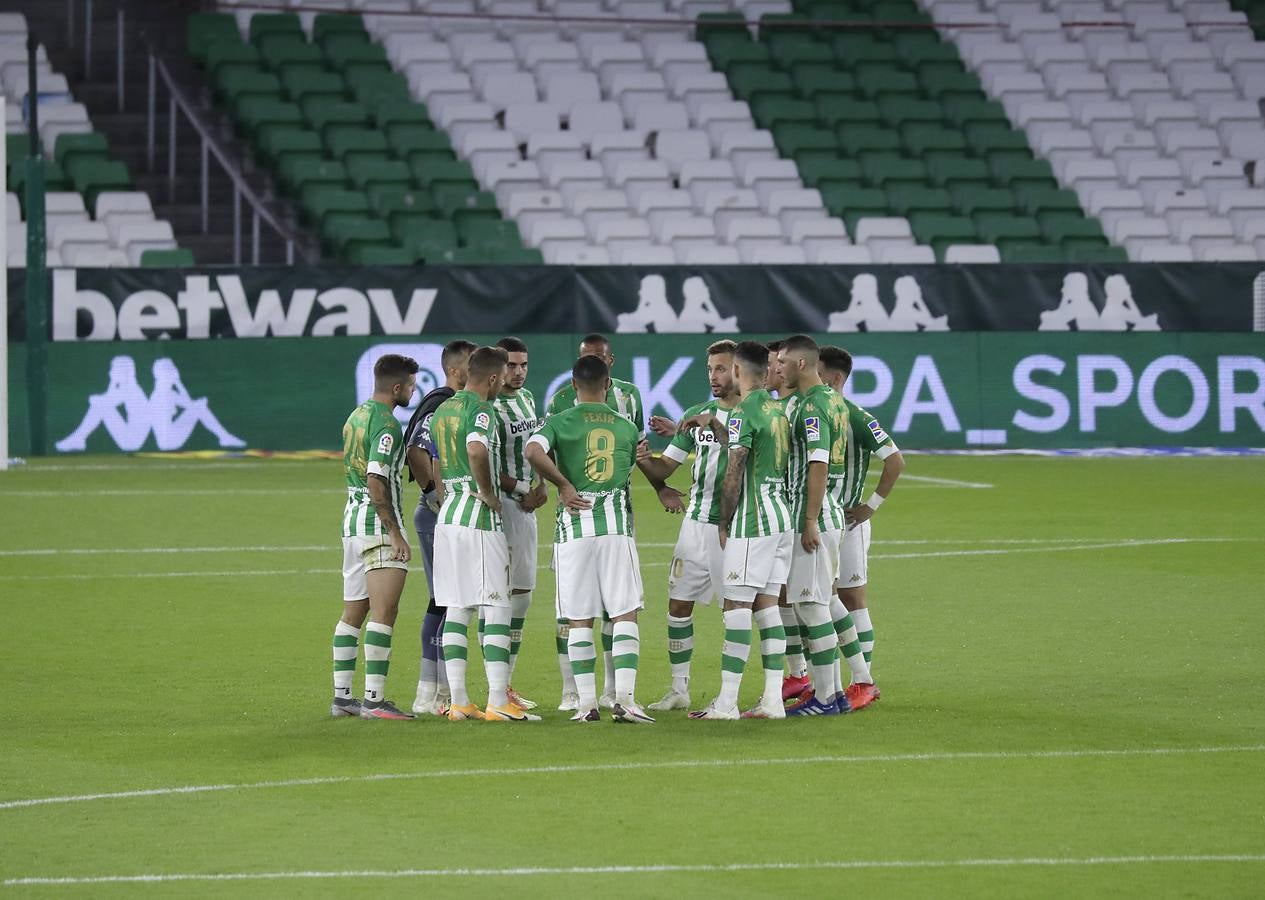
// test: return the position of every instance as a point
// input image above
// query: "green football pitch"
(1071, 654)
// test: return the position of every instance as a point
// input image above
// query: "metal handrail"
(211, 147)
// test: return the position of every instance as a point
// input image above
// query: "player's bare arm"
(481, 466)
(535, 498)
(380, 496)
(893, 466)
(661, 467)
(662, 426)
(708, 421)
(545, 467)
(815, 491)
(735, 472)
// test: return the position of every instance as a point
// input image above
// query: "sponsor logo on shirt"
(482, 420)
(735, 428)
(877, 430)
(812, 425)
(385, 443)
(527, 426)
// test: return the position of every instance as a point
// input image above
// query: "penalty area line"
(649, 765)
(653, 869)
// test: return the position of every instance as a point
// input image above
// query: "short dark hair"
(595, 338)
(722, 346)
(485, 361)
(512, 345)
(393, 368)
(774, 346)
(590, 371)
(753, 355)
(453, 350)
(836, 359)
(801, 342)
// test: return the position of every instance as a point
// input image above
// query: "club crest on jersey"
(482, 420)
(735, 428)
(385, 443)
(877, 430)
(812, 425)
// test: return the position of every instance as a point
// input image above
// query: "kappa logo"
(866, 313)
(129, 415)
(806, 592)
(855, 578)
(812, 425)
(385, 443)
(1119, 312)
(732, 576)
(654, 313)
(495, 595)
(877, 430)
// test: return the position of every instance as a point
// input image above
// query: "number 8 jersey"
(596, 450)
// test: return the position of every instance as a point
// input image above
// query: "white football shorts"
(520, 534)
(854, 556)
(698, 564)
(472, 567)
(596, 575)
(757, 565)
(812, 578)
(361, 554)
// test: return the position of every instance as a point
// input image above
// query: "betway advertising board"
(930, 390)
(258, 303)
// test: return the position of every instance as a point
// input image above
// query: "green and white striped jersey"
(623, 397)
(461, 420)
(818, 434)
(758, 424)
(596, 451)
(373, 444)
(866, 438)
(519, 421)
(711, 459)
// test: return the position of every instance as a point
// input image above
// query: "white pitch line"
(632, 766)
(653, 869)
(947, 482)
(241, 573)
(1063, 548)
(116, 551)
(172, 492)
(151, 465)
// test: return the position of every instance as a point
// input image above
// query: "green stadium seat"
(338, 229)
(771, 111)
(914, 45)
(321, 113)
(235, 83)
(371, 85)
(320, 200)
(439, 172)
(225, 53)
(818, 169)
(958, 87)
(524, 256)
(364, 253)
(298, 171)
(751, 81)
(326, 24)
(875, 80)
(302, 83)
(893, 171)
(475, 232)
(962, 171)
(791, 139)
(941, 231)
(274, 23)
(896, 111)
(347, 141)
(407, 139)
(964, 110)
(1074, 245)
(985, 138)
(386, 199)
(835, 11)
(853, 48)
(92, 175)
(1020, 173)
(841, 198)
(1006, 229)
(740, 53)
(202, 29)
(17, 146)
(814, 79)
(801, 51)
(921, 199)
(254, 112)
(857, 139)
(424, 237)
(277, 143)
(1044, 199)
(166, 259)
(388, 111)
(1062, 225)
(343, 53)
(1030, 253)
(456, 199)
(922, 139)
(285, 48)
(970, 199)
(366, 171)
(55, 178)
(844, 111)
(72, 146)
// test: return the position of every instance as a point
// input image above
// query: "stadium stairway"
(125, 131)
